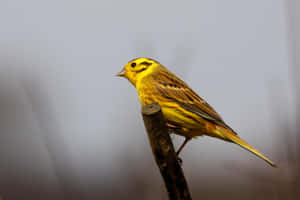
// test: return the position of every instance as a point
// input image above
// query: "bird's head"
(138, 68)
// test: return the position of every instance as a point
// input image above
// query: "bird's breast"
(145, 96)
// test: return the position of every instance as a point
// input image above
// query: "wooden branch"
(164, 154)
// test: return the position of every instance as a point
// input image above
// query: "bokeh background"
(70, 129)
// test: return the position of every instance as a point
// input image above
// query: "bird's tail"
(233, 137)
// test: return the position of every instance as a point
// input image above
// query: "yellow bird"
(185, 112)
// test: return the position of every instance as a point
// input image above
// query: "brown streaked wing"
(174, 89)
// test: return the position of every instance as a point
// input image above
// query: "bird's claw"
(179, 160)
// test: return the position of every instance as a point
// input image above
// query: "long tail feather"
(235, 139)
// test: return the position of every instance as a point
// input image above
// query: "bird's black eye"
(133, 64)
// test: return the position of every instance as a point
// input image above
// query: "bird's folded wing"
(172, 88)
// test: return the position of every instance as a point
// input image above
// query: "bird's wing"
(174, 89)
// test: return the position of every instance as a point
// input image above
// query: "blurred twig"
(163, 151)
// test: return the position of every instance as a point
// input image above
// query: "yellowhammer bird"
(185, 112)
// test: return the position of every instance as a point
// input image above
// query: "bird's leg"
(183, 144)
(181, 147)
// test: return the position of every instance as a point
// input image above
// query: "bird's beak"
(122, 73)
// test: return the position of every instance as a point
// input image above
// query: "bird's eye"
(133, 65)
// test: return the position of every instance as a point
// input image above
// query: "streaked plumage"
(186, 113)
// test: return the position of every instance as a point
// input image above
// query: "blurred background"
(70, 129)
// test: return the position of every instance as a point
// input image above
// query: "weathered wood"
(164, 153)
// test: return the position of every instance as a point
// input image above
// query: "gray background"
(70, 129)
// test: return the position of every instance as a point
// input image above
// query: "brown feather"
(174, 89)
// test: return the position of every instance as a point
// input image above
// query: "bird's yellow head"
(138, 68)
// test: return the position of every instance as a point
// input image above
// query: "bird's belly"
(188, 123)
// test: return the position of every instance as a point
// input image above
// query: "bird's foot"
(179, 160)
